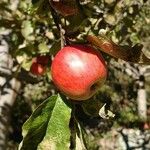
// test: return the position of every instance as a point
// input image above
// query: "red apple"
(78, 71)
(43, 60)
(37, 69)
(146, 126)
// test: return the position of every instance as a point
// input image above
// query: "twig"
(58, 24)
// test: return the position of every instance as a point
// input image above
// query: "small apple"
(43, 60)
(146, 126)
(39, 65)
(37, 69)
(78, 71)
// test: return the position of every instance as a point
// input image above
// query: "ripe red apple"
(78, 71)
(37, 69)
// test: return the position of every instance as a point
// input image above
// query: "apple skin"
(37, 69)
(43, 60)
(78, 71)
(39, 65)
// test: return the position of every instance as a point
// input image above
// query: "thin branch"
(58, 24)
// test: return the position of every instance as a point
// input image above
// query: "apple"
(43, 60)
(37, 69)
(39, 65)
(146, 126)
(78, 71)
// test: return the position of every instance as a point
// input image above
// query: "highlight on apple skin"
(78, 71)
(37, 69)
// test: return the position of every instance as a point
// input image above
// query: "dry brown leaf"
(131, 54)
(64, 7)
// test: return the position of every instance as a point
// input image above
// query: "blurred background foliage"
(33, 32)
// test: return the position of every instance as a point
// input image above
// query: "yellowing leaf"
(64, 7)
(131, 54)
(105, 114)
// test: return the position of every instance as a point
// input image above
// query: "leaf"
(131, 54)
(92, 107)
(43, 47)
(58, 132)
(40, 8)
(36, 126)
(35, 1)
(56, 46)
(81, 138)
(76, 21)
(25, 62)
(110, 18)
(65, 7)
(27, 30)
(105, 114)
(77, 139)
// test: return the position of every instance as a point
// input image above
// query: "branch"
(58, 24)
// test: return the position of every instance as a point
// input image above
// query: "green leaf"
(27, 30)
(56, 46)
(43, 47)
(92, 106)
(76, 21)
(35, 127)
(35, 1)
(39, 7)
(58, 132)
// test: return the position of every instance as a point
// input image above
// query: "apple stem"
(62, 36)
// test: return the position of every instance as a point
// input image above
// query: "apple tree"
(34, 36)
